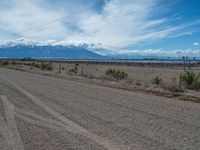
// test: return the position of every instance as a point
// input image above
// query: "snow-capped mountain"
(50, 49)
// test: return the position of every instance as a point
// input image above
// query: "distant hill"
(34, 51)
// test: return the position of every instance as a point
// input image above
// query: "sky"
(120, 27)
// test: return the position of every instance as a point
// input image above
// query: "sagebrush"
(116, 74)
(191, 79)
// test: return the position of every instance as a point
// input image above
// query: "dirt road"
(45, 113)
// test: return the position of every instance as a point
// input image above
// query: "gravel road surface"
(45, 113)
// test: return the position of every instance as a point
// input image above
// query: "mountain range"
(35, 51)
(51, 49)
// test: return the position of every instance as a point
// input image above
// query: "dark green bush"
(191, 79)
(157, 80)
(46, 66)
(72, 71)
(36, 65)
(13, 63)
(109, 71)
(43, 66)
(5, 63)
(19, 63)
(116, 74)
(50, 67)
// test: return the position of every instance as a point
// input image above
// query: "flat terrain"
(142, 75)
(45, 113)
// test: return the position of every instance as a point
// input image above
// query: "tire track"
(175, 130)
(155, 110)
(43, 124)
(4, 132)
(77, 128)
(15, 139)
(62, 131)
(41, 121)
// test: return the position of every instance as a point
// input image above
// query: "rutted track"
(86, 116)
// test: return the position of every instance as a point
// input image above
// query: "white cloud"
(105, 51)
(25, 14)
(196, 44)
(121, 22)
(152, 52)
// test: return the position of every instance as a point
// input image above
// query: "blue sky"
(121, 26)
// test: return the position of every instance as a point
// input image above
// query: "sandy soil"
(46, 113)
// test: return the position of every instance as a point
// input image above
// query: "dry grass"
(136, 74)
(141, 77)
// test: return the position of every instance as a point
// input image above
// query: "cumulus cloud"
(151, 52)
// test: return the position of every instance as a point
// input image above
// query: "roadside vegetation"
(152, 79)
(46, 66)
(43, 66)
(116, 74)
(188, 80)
(73, 71)
(5, 63)
(157, 80)
(191, 80)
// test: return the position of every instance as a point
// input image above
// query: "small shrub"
(196, 84)
(191, 79)
(5, 63)
(19, 63)
(36, 65)
(49, 67)
(123, 75)
(46, 66)
(109, 72)
(76, 68)
(116, 74)
(13, 63)
(43, 66)
(157, 80)
(72, 71)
